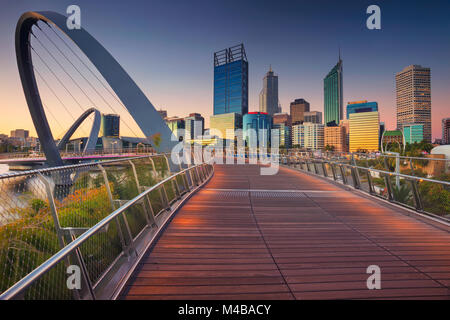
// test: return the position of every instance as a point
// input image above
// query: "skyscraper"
(413, 132)
(413, 86)
(361, 106)
(298, 109)
(446, 131)
(268, 98)
(231, 81)
(333, 94)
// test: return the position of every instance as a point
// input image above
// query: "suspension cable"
(87, 80)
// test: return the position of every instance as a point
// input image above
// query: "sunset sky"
(167, 48)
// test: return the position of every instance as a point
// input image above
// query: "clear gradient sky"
(167, 48)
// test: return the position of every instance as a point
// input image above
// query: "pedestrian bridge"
(232, 233)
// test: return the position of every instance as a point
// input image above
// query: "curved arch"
(93, 135)
(403, 142)
(137, 104)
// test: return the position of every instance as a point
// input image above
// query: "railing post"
(149, 216)
(333, 170)
(344, 177)
(388, 181)
(125, 247)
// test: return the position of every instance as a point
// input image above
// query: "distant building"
(361, 106)
(413, 133)
(313, 116)
(446, 131)
(335, 137)
(194, 126)
(297, 110)
(413, 88)
(177, 126)
(364, 131)
(308, 135)
(231, 81)
(298, 136)
(110, 125)
(392, 136)
(163, 113)
(284, 135)
(282, 118)
(333, 95)
(260, 122)
(268, 98)
(20, 133)
(220, 123)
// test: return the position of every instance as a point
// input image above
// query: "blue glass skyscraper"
(231, 81)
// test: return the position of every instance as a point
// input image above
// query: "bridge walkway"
(291, 236)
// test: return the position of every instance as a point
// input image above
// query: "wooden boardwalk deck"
(291, 236)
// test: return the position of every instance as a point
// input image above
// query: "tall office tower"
(194, 126)
(413, 86)
(446, 131)
(313, 116)
(361, 106)
(282, 118)
(335, 138)
(20, 133)
(298, 109)
(177, 127)
(268, 98)
(364, 131)
(413, 132)
(110, 125)
(231, 81)
(333, 95)
(284, 135)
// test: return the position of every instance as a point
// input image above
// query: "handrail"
(71, 166)
(37, 273)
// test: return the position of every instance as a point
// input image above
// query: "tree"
(329, 148)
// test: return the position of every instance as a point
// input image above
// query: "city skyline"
(301, 73)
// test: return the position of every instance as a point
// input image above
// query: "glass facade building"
(231, 81)
(110, 125)
(361, 106)
(364, 131)
(413, 132)
(194, 126)
(284, 135)
(333, 95)
(257, 121)
(219, 124)
(176, 125)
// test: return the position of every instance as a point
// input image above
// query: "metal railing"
(53, 219)
(424, 194)
(102, 152)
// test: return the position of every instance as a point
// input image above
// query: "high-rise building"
(297, 109)
(268, 98)
(110, 125)
(298, 136)
(364, 131)
(20, 133)
(413, 132)
(194, 126)
(257, 121)
(413, 87)
(231, 81)
(313, 116)
(282, 118)
(314, 136)
(361, 106)
(335, 137)
(333, 95)
(284, 135)
(446, 131)
(177, 127)
(221, 123)
(308, 135)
